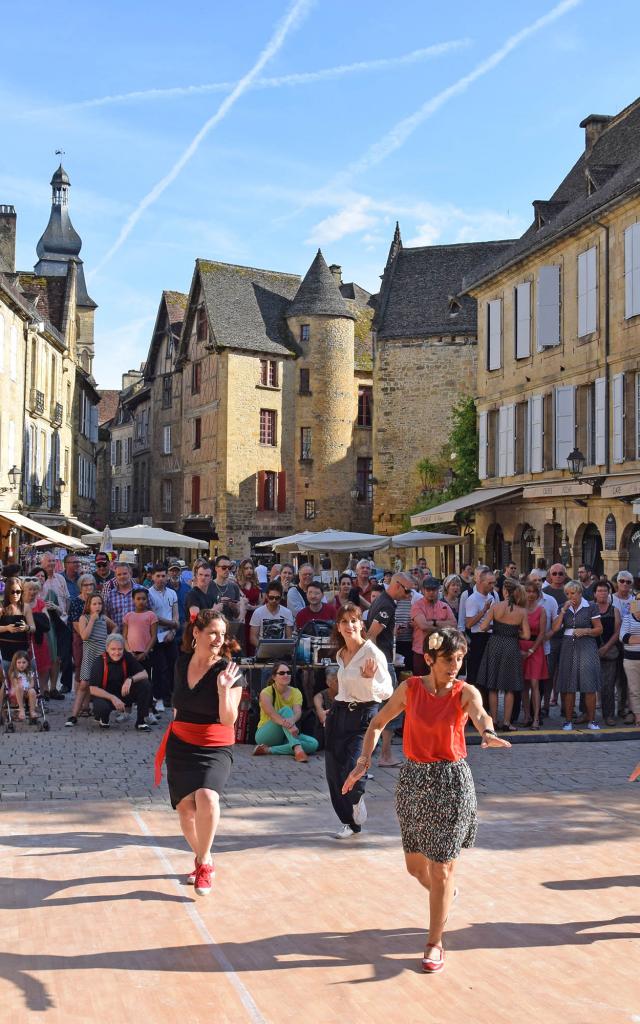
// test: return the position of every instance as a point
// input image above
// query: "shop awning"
(39, 530)
(77, 525)
(446, 512)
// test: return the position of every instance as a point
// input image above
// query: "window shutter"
(494, 333)
(523, 319)
(502, 441)
(195, 495)
(535, 461)
(511, 440)
(565, 428)
(587, 292)
(482, 445)
(632, 271)
(262, 477)
(548, 307)
(618, 417)
(94, 424)
(282, 491)
(600, 388)
(113, 453)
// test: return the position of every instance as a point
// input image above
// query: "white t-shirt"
(474, 603)
(262, 574)
(161, 602)
(282, 618)
(550, 606)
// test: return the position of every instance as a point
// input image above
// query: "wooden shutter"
(587, 292)
(618, 417)
(282, 491)
(632, 271)
(600, 393)
(536, 436)
(523, 319)
(262, 477)
(548, 307)
(195, 495)
(482, 445)
(494, 334)
(565, 425)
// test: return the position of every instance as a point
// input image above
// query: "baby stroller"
(10, 706)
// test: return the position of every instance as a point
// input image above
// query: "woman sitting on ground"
(280, 710)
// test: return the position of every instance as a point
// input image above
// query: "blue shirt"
(72, 587)
(181, 590)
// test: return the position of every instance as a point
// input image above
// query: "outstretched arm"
(394, 706)
(472, 704)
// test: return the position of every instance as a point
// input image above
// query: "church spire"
(60, 244)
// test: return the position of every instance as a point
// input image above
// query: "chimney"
(7, 239)
(337, 273)
(594, 125)
(130, 377)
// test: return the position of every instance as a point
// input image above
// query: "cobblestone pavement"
(87, 763)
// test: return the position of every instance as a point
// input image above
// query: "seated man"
(117, 681)
(316, 610)
(271, 621)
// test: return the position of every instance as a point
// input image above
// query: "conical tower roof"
(60, 242)
(319, 295)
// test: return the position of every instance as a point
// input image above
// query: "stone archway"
(587, 547)
(524, 542)
(629, 551)
(552, 541)
(495, 546)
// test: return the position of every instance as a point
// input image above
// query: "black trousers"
(139, 694)
(343, 737)
(163, 663)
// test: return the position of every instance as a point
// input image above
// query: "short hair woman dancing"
(435, 797)
(198, 745)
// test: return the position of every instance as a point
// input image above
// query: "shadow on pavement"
(29, 893)
(606, 882)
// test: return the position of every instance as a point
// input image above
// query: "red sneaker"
(204, 876)
(191, 877)
(429, 963)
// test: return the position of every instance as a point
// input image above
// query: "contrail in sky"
(296, 13)
(402, 130)
(301, 78)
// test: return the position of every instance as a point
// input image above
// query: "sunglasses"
(14, 590)
(556, 574)
(407, 590)
(286, 672)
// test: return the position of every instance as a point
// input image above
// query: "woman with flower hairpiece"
(435, 798)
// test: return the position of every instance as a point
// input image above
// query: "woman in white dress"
(363, 683)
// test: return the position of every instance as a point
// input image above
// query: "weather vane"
(59, 152)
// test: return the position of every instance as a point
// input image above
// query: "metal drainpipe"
(607, 400)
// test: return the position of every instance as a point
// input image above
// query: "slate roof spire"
(318, 294)
(61, 244)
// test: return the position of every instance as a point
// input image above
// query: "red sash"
(213, 735)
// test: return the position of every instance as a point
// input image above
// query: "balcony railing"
(56, 414)
(37, 401)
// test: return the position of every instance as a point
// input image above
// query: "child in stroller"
(22, 682)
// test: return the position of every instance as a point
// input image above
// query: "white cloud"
(347, 221)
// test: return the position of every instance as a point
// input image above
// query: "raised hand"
(356, 774)
(635, 774)
(368, 670)
(229, 675)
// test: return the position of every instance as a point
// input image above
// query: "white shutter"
(548, 307)
(502, 441)
(632, 271)
(166, 446)
(587, 292)
(94, 423)
(494, 334)
(536, 434)
(523, 319)
(511, 440)
(618, 417)
(600, 388)
(565, 427)
(482, 445)
(113, 453)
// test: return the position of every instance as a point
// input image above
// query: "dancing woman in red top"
(435, 798)
(198, 744)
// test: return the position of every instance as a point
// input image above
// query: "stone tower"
(57, 250)
(326, 400)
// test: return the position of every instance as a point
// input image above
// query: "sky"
(258, 131)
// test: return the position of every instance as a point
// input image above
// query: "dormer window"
(454, 306)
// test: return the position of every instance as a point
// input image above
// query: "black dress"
(501, 666)
(191, 767)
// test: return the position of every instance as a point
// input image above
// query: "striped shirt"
(630, 627)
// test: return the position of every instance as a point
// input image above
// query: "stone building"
(118, 509)
(559, 348)
(425, 362)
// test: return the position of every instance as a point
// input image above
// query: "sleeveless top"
(434, 726)
(199, 705)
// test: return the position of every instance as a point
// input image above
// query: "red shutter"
(262, 476)
(282, 491)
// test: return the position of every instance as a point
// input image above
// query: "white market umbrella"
(422, 539)
(283, 543)
(145, 537)
(342, 540)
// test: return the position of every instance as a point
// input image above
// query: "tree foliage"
(459, 453)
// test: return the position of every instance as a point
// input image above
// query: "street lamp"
(448, 477)
(576, 463)
(14, 475)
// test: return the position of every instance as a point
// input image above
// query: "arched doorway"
(592, 548)
(524, 547)
(552, 543)
(495, 546)
(630, 549)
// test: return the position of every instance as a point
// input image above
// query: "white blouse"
(353, 686)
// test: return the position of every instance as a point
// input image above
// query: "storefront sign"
(618, 487)
(557, 490)
(610, 533)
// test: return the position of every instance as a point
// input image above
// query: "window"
(506, 441)
(195, 495)
(168, 353)
(13, 353)
(494, 334)
(167, 495)
(521, 440)
(267, 426)
(522, 299)
(197, 433)
(202, 327)
(304, 383)
(118, 461)
(548, 307)
(617, 387)
(128, 450)
(364, 480)
(271, 491)
(632, 271)
(196, 378)
(305, 444)
(115, 499)
(166, 440)
(113, 454)
(126, 497)
(365, 406)
(167, 392)
(600, 412)
(309, 508)
(565, 424)
(535, 431)
(269, 373)
(587, 292)
(482, 445)
(304, 332)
